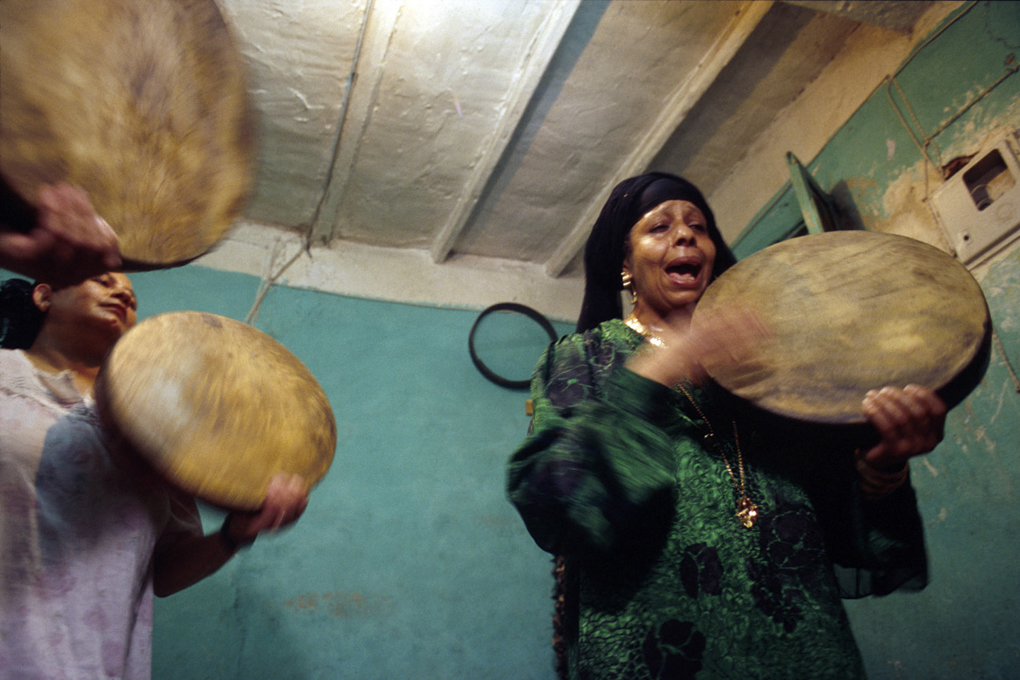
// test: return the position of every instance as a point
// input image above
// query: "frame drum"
(216, 407)
(852, 311)
(141, 103)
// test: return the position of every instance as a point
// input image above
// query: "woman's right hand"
(728, 338)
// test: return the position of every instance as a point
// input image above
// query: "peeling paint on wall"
(906, 202)
(343, 604)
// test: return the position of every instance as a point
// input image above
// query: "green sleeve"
(597, 469)
(877, 546)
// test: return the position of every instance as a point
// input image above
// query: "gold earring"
(628, 284)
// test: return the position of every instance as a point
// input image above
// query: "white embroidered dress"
(77, 535)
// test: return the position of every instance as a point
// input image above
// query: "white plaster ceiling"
(484, 135)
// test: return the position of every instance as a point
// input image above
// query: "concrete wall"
(964, 624)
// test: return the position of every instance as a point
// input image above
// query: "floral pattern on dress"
(701, 569)
(795, 563)
(674, 651)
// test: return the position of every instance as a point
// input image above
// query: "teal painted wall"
(409, 562)
(965, 624)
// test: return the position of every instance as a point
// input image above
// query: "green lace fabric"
(662, 580)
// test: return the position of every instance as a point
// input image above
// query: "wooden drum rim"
(852, 311)
(216, 407)
(144, 104)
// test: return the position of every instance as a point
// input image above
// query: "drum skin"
(216, 407)
(852, 311)
(141, 103)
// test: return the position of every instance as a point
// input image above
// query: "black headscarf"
(606, 246)
(20, 319)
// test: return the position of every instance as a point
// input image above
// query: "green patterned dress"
(663, 581)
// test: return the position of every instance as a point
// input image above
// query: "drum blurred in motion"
(852, 311)
(216, 407)
(142, 103)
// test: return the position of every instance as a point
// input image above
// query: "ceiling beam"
(673, 113)
(533, 66)
(892, 16)
(356, 113)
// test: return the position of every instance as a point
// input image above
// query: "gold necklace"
(747, 511)
(643, 330)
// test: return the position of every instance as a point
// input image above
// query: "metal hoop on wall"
(517, 309)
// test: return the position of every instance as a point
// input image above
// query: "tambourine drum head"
(216, 407)
(849, 312)
(142, 103)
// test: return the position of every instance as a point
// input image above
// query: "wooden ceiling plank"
(674, 111)
(363, 91)
(535, 62)
(892, 16)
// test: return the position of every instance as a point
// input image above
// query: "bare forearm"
(185, 562)
(188, 561)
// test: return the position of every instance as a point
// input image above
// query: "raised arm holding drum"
(145, 106)
(88, 533)
(696, 535)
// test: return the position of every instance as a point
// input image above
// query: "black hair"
(607, 244)
(20, 319)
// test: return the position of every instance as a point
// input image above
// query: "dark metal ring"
(507, 307)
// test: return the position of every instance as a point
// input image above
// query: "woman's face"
(671, 256)
(106, 303)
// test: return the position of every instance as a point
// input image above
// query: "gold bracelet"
(877, 484)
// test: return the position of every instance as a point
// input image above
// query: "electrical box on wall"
(979, 206)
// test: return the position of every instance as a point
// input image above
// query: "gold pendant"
(747, 512)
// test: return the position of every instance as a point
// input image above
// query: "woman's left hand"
(911, 421)
(286, 499)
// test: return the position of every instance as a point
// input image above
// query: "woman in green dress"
(697, 538)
